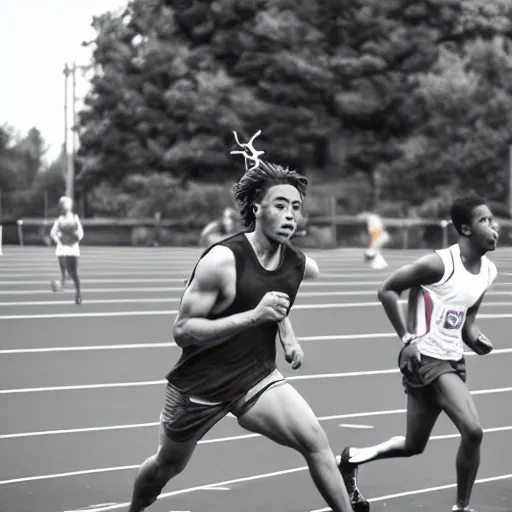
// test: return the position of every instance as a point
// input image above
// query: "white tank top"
(438, 311)
(373, 221)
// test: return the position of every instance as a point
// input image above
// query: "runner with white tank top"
(446, 288)
(67, 232)
(438, 310)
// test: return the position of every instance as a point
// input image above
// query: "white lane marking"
(353, 425)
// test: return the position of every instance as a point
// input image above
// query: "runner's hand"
(294, 355)
(293, 352)
(482, 345)
(410, 356)
(273, 307)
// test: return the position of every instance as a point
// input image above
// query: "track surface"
(81, 390)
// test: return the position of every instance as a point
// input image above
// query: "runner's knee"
(410, 450)
(411, 447)
(312, 439)
(472, 433)
(168, 466)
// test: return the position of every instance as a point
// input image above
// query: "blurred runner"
(67, 232)
(379, 237)
(219, 229)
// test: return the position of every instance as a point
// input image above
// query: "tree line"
(28, 184)
(405, 101)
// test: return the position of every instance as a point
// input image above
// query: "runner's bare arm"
(55, 232)
(428, 269)
(79, 229)
(292, 350)
(470, 331)
(192, 327)
(311, 270)
(471, 334)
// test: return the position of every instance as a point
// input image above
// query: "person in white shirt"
(378, 238)
(67, 232)
(446, 290)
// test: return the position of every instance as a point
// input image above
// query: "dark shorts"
(185, 417)
(427, 371)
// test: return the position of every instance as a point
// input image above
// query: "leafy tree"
(20, 158)
(411, 95)
(31, 150)
(463, 145)
(8, 159)
(51, 181)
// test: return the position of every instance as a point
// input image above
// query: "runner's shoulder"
(430, 266)
(215, 263)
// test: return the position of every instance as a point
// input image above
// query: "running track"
(81, 390)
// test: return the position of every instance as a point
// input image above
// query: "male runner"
(236, 302)
(447, 288)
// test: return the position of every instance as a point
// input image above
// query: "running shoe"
(348, 471)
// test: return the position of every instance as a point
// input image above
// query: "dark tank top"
(227, 371)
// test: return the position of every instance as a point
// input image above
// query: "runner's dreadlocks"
(258, 178)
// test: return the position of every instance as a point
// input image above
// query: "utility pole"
(66, 166)
(70, 155)
(70, 188)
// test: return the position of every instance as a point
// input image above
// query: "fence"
(322, 232)
(122, 232)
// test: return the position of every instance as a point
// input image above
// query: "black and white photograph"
(256, 256)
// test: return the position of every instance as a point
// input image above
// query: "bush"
(145, 195)
(200, 203)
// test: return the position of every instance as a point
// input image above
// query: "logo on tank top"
(454, 319)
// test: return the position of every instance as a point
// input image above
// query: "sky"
(37, 38)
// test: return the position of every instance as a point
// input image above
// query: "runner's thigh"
(281, 414)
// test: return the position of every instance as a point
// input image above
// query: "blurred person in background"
(67, 232)
(378, 238)
(302, 224)
(219, 229)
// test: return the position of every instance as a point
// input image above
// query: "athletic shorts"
(186, 417)
(426, 371)
(67, 250)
